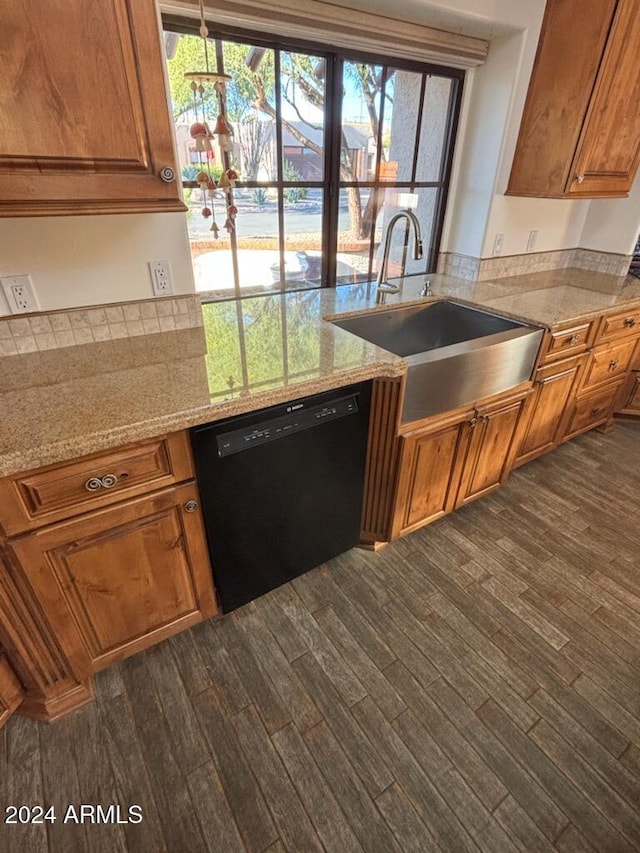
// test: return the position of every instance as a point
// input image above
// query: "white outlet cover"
(498, 243)
(28, 301)
(161, 278)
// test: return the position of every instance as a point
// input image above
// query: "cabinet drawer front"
(592, 410)
(569, 341)
(608, 363)
(620, 325)
(49, 494)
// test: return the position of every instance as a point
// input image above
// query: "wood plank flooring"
(472, 687)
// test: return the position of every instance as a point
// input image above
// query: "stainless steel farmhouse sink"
(456, 354)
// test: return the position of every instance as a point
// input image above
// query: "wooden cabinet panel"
(84, 113)
(120, 579)
(630, 396)
(621, 325)
(429, 474)
(542, 415)
(609, 148)
(580, 130)
(491, 450)
(569, 341)
(608, 362)
(590, 410)
(31, 500)
(11, 691)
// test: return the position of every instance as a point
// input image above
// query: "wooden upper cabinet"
(84, 112)
(580, 130)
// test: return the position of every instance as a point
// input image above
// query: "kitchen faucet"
(382, 285)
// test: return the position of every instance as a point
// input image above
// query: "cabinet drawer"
(569, 341)
(620, 325)
(591, 410)
(608, 362)
(31, 500)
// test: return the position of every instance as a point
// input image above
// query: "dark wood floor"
(475, 686)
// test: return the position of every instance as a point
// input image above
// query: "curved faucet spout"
(383, 286)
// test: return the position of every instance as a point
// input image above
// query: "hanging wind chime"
(204, 84)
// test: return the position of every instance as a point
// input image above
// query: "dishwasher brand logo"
(295, 408)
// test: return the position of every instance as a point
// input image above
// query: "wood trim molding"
(382, 456)
(317, 21)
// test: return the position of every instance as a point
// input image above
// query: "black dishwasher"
(282, 489)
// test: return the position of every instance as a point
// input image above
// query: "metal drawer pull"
(190, 506)
(595, 413)
(613, 365)
(574, 339)
(579, 178)
(630, 322)
(106, 482)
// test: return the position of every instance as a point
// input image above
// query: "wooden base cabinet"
(11, 691)
(630, 399)
(454, 460)
(118, 580)
(541, 425)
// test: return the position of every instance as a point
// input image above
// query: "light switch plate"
(19, 293)
(531, 242)
(498, 244)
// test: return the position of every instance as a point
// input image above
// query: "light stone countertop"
(250, 354)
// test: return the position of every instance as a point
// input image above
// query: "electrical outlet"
(497, 244)
(20, 295)
(161, 279)
(531, 242)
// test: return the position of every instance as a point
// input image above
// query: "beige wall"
(90, 260)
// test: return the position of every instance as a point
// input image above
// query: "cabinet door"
(84, 112)
(631, 397)
(609, 149)
(491, 451)
(430, 468)
(121, 579)
(11, 691)
(542, 415)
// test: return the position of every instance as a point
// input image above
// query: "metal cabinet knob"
(473, 422)
(167, 174)
(595, 413)
(190, 506)
(630, 322)
(579, 179)
(107, 481)
(613, 365)
(574, 339)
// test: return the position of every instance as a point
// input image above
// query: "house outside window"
(328, 147)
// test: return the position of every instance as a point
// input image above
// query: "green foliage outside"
(262, 328)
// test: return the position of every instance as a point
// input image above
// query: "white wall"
(89, 260)
(613, 224)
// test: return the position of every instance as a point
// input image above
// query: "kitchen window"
(328, 146)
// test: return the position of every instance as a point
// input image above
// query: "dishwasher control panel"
(294, 421)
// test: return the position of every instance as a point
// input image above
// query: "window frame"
(331, 186)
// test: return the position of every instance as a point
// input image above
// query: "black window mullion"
(279, 165)
(331, 207)
(455, 101)
(376, 189)
(416, 145)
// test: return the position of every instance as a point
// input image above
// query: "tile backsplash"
(56, 329)
(485, 269)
